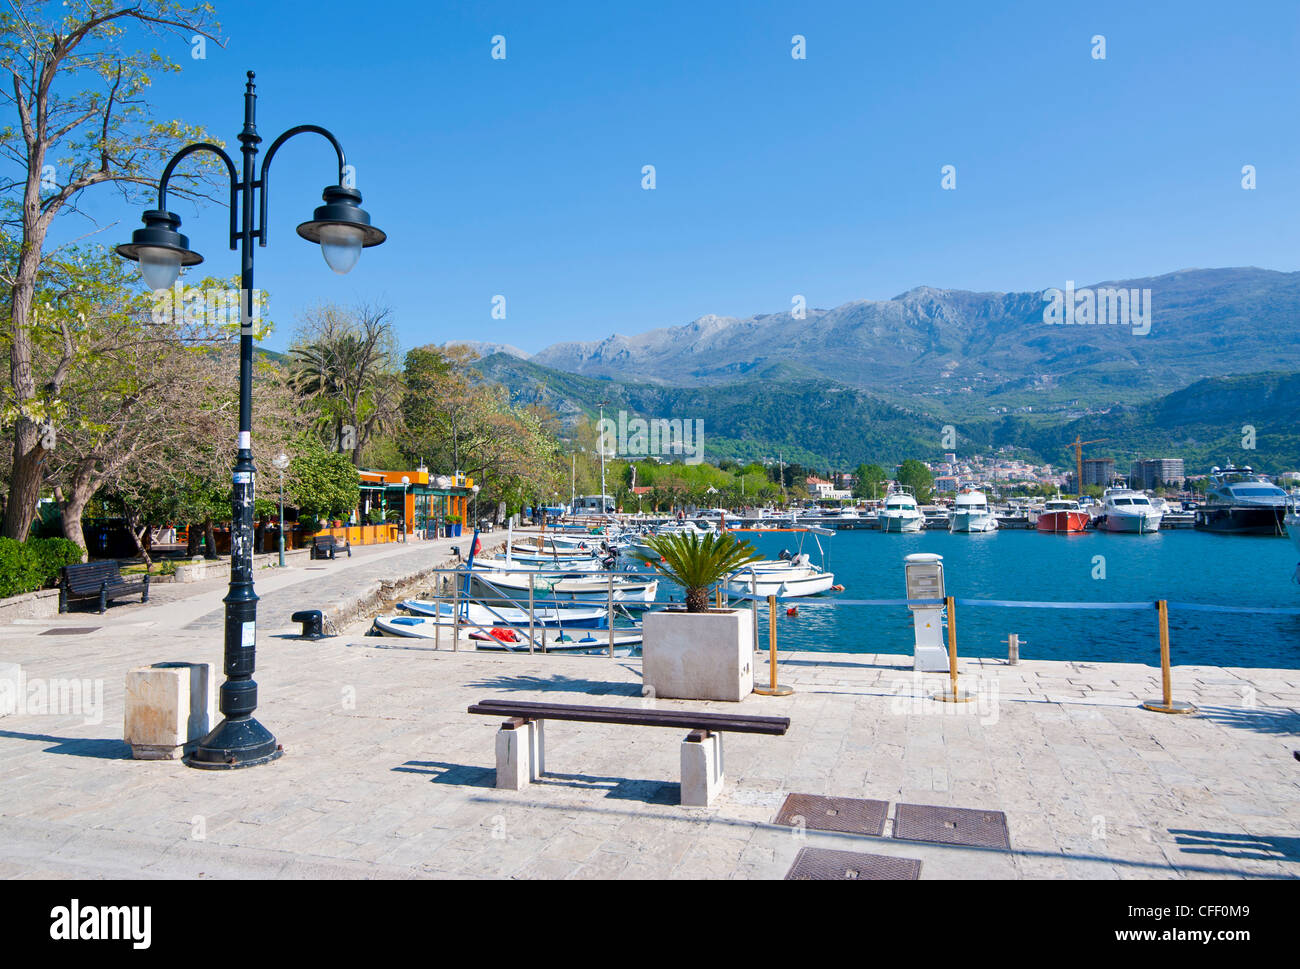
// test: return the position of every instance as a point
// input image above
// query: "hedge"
(34, 564)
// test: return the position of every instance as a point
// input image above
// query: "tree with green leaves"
(345, 363)
(870, 481)
(75, 89)
(916, 476)
(321, 483)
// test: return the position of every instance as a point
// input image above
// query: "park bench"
(97, 580)
(325, 547)
(521, 757)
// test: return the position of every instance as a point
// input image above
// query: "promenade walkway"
(386, 775)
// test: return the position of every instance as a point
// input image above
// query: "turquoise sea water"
(1181, 566)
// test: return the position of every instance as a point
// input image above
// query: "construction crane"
(1078, 460)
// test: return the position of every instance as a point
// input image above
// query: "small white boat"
(509, 637)
(473, 613)
(901, 514)
(516, 564)
(971, 513)
(785, 583)
(633, 593)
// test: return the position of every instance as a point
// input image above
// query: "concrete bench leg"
(515, 745)
(702, 772)
(537, 749)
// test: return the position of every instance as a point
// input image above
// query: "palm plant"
(697, 563)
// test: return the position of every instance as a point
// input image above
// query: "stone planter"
(698, 655)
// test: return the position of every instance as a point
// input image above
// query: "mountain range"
(878, 379)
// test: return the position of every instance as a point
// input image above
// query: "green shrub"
(53, 554)
(310, 524)
(34, 564)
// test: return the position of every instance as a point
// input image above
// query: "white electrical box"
(924, 572)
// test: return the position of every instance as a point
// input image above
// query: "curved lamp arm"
(265, 183)
(234, 181)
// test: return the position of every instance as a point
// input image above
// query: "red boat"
(1062, 515)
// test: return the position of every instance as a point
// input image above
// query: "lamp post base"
(234, 744)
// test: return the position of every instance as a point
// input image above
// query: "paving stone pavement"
(386, 774)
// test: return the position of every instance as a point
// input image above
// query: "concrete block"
(169, 708)
(514, 756)
(698, 656)
(193, 570)
(702, 770)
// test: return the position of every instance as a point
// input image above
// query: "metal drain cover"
(951, 826)
(71, 631)
(848, 815)
(826, 865)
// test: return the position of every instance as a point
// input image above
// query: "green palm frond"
(696, 563)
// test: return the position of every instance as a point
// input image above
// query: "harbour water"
(1182, 566)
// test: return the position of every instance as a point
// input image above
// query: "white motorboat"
(1126, 510)
(1292, 523)
(785, 583)
(629, 592)
(901, 513)
(971, 513)
(513, 564)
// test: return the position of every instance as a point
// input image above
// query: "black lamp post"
(343, 229)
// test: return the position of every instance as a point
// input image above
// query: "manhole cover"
(849, 815)
(951, 826)
(824, 864)
(71, 631)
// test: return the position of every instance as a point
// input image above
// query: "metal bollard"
(952, 694)
(1167, 704)
(774, 688)
(1013, 649)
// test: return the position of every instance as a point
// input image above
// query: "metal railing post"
(773, 688)
(1167, 703)
(455, 617)
(532, 618)
(952, 694)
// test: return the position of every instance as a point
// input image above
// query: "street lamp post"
(281, 461)
(342, 229)
(475, 512)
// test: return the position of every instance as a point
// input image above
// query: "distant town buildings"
(1157, 473)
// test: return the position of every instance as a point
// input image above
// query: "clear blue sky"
(775, 176)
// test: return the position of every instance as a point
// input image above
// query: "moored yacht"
(1240, 502)
(901, 514)
(970, 513)
(1126, 510)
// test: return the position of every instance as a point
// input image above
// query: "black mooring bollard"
(313, 626)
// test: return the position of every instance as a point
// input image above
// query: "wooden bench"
(97, 580)
(325, 547)
(521, 755)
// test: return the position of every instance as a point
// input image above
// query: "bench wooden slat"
(634, 716)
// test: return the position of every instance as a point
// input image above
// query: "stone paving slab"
(386, 775)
